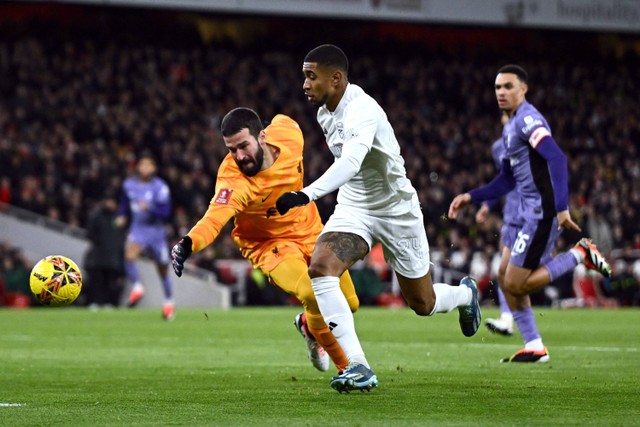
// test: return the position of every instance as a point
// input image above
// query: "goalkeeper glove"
(179, 254)
(290, 200)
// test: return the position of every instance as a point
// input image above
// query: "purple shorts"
(534, 243)
(508, 233)
(153, 241)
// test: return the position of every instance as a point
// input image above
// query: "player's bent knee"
(514, 289)
(305, 295)
(354, 303)
(315, 271)
(322, 269)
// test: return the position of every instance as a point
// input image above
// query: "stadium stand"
(79, 102)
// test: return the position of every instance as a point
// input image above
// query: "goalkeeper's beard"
(252, 165)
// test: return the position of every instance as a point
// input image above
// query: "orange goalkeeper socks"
(326, 339)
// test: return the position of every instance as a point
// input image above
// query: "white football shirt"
(358, 131)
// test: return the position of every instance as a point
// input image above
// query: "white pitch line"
(6, 405)
(504, 346)
(563, 347)
(604, 349)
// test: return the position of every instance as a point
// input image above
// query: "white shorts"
(403, 237)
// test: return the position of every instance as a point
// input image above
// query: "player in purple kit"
(511, 223)
(536, 167)
(146, 202)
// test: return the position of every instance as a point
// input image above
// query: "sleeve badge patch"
(223, 197)
(537, 136)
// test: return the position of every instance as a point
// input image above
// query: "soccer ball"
(55, 281)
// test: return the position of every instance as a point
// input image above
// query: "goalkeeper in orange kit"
(263, 164)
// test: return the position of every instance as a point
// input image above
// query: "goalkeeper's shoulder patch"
(224, 196)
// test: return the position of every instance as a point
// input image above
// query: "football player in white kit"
(376, 203)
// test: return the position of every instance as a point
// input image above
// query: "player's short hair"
(329, 55)
(239, 118)
(517, 70)
(147, 154)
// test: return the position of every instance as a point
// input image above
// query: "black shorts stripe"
(538, 244)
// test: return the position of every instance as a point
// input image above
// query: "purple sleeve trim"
(498, 187)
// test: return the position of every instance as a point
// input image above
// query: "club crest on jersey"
(531, 123)
(340, 129)
(336, 149)
(223, 197)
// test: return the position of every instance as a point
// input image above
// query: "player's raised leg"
(592, 258)
(427, 299)
(406, 247)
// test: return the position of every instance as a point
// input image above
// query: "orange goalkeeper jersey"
(251, 200)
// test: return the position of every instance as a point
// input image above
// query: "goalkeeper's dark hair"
(239, 118)
(330, 56)
(517, 70)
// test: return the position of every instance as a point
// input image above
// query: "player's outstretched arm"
(482, 214)
(459, 202)
(290, 200)
(565, 221)
(179, 254)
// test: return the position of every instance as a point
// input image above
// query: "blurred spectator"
(104, 261)
(5, 190)
(371, 276)
(14, 278)
(260, 292)
(587, 288)
(480, 269)
(623, 284)
(599, 230)
(76, 106)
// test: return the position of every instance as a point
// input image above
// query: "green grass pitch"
(244, 367)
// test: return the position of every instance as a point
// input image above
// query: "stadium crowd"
(76, 111)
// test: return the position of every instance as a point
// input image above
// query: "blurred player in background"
(261, 165)
(536, 167)
(146, 203)
(511, 223)
(376, 203)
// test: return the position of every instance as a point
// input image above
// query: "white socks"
(337, 314)
(578, 255)
(449, 297)
(535, 345)
(506, 317)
